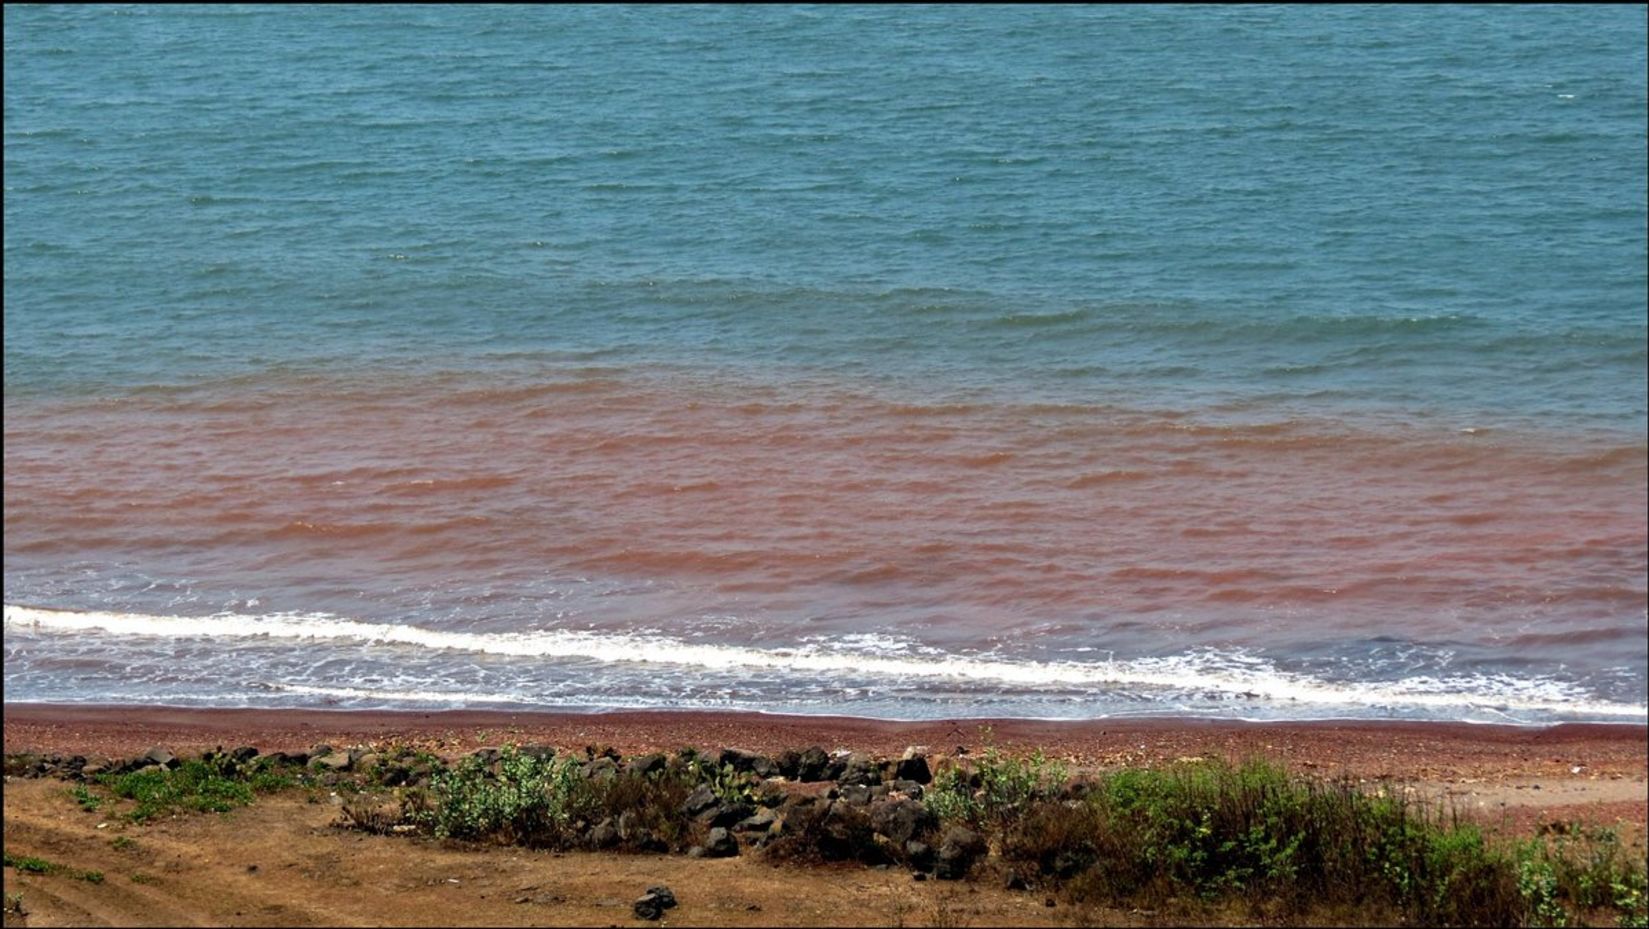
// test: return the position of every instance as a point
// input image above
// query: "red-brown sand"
(1418, 750)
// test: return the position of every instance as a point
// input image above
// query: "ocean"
(900, 362)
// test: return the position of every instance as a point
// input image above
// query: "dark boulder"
(666, 899)
(726, 815)
(855, 794)
(789, 762)
(720, 844)
(648, 906)
(813, 765)
(958, 852)
(920, 856)
(745, 762)
(760, 821)
(913, 767)
(644, 765)
(902, 820)
(701, 799)
(860, 769)
(603, 834)
(910, 789)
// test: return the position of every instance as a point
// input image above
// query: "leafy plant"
(527, 800)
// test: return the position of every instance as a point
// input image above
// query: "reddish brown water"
(665, 501)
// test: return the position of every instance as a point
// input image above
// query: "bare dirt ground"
(283, 862)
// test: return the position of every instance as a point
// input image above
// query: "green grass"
(193, 786)
(31, 865)
(87, 800)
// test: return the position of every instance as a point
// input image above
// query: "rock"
(1015, 882)
(320, 748)
(743, 762)
(648, 841)
(813, 765)
(159, 756)
(368, 761)
(701, 799)
(601, 768)
(860, 769)
(726, 814)
(760, 821)
(538, 752)
(629, 824)
(647, 906)
(20, 764)
(332, 761)
(902, 820)
(93, 770)
(240, 755)
(958, 852)
(910, 789)
(913, 768)
(920, 855)
(855, 794)
(603, 834)
(696, 851)
(790, 763)
(1070, 862)
(486, 757)
(720, 844)
(644, 765)
(666, 899)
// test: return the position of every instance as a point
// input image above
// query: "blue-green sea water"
(1059, 361)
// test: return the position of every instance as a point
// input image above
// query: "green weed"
(197, 785)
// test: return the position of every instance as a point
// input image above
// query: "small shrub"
(529, 800)
(31, 865)
(87, 800)
(28, 864)
(998, 789)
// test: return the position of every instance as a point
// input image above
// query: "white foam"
(1231, 673)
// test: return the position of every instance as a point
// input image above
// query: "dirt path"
(280, 862)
